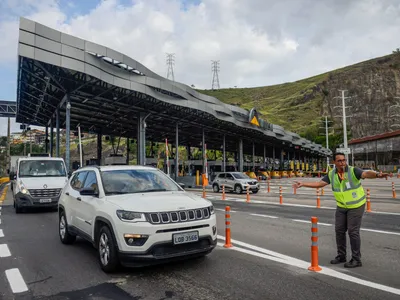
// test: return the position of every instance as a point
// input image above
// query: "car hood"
(158, 201)
(31, 183)
(246, 180)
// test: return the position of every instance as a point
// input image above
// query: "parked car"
(135, 216)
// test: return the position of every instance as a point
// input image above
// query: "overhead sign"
(343, 150)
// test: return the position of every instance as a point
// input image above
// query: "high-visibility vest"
(349, 192)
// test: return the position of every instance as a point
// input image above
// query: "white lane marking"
(309, 222)
(4, 251)
(271, 255)
(301, 221)
(16, 281)
(264, 216)
(381, 231)
(1, 233)
(385, 213)
(221, 209)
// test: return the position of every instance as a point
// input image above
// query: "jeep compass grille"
(178, 216)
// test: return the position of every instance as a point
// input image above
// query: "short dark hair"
(336, 154)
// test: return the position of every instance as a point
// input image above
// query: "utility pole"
(170, 63)
(326, 127)
(8, 161)
(344, 120)
(215, 69)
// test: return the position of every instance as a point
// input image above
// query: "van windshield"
(42, 168)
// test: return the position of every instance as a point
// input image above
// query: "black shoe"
(338, 260)
(353, 264)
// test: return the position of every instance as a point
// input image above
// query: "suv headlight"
(211, 210)
(130, 216)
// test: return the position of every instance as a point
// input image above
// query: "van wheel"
(107, 250)
(18, 209)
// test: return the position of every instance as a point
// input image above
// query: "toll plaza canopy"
(64, 81)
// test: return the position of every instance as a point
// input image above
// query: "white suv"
(135, 216)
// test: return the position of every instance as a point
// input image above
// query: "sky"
(258, 42)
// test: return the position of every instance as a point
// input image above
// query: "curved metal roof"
(106, 87)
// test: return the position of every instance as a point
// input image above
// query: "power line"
(170, 64)
(215, 69)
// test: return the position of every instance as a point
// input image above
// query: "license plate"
(45, 200)
(186, 237)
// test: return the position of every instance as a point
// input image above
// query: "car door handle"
(79, 199)
(67, 193)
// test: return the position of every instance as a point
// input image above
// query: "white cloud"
(258, 42)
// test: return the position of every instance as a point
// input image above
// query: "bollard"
(269, 189)
(204, 191)
(314, 245)
(280, 195)
(318, 199)
(223, 192)
(248, 194)
(294, 190)
(368, 202)
(393, 190)
(228, 243)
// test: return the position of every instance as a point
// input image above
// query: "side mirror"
(69, 174)
(88, 191)
(182, 185)
(12, 175)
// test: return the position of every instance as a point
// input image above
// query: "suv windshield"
(239, 175)
(42, 168)
(136, 181)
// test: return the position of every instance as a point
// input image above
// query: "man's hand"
(297, 184)
(382, 175)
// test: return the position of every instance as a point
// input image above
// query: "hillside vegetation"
(301, 105)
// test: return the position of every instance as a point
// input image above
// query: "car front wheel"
(107, 250)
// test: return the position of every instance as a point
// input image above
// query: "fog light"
(135, 239)
(214, 229)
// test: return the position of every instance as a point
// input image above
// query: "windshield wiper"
(116, 193)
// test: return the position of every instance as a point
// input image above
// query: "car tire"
(65, 236)
(238, 189)
(107, 250)
(215, 188)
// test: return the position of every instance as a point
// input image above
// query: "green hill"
(300, 106)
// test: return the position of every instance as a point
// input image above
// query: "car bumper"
(26, 200)
(167, 252)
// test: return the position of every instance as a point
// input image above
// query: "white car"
(135, 216)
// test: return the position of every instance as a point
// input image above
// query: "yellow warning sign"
(254, 121)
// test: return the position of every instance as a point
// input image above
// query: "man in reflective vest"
(350, 199)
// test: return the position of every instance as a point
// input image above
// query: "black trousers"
(349, 220)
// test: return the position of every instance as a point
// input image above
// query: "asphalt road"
(51, 270)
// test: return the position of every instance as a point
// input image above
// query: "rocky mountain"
(372, 100)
